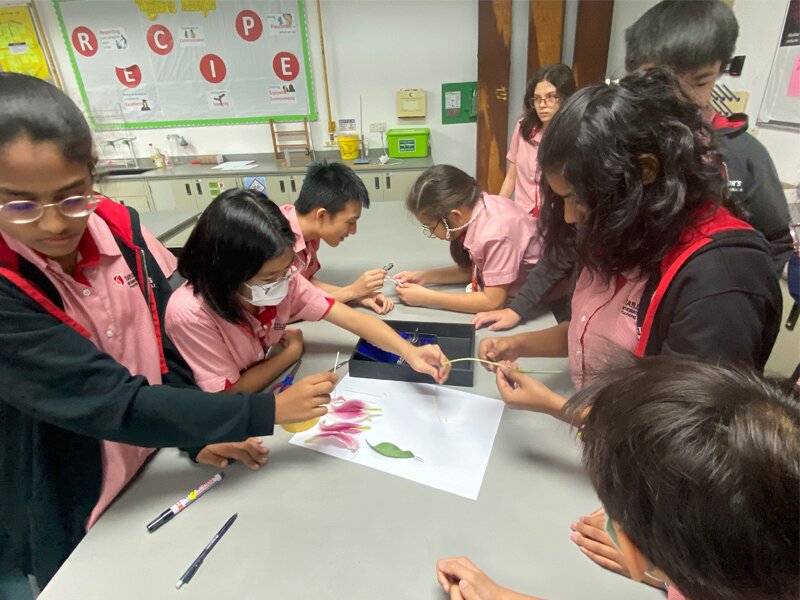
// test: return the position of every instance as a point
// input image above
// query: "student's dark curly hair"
(238, 232)
(596, 140)
(562, 79)
(700, 466)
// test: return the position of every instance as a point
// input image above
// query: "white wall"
(760, 24)
(373, 48)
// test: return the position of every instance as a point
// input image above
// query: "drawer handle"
(283, 186)
(388, 181)
(188, 190)
(294, 189)
(377, 183)
(199, 188)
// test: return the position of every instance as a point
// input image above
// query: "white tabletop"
(311, 526)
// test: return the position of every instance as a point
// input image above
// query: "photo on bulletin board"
(781, 104)
(170, 63)
(23, 47)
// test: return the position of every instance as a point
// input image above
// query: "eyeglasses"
(548, 100)
(297, 266)
(21, 212)
(430, 232)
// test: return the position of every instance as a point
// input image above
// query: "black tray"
(457, 340)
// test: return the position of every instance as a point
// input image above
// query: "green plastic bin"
(408, 143)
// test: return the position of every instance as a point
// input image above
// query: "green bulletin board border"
(311, 116)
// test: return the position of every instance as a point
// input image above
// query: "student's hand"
(405, 277)
(251, 452)
(305, 399)
(379, 303)
(589, 533)
(526, 393)
(497, 320)
(429, 359)
(460, 578)
(292, 342)
(369, 283)
(497, 349)
(413, 294)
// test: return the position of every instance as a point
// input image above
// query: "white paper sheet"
(236, 165)
(452, 431)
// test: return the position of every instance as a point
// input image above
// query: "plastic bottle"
(156, 156)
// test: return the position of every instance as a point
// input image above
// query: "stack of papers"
(236, 165)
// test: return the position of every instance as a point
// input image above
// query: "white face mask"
(270, 294)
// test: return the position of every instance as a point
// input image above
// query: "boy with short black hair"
(697, 39)
(328, 209)
(705, 500)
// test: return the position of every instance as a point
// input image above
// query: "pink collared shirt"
(603, 323)
(674, 594)
(104, 297)
(524, 153)
(502, 241)
(165, 259)
(306, 251)
(217, 350)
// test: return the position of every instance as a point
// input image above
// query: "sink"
(131, 171)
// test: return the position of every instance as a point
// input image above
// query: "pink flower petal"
(342, 426)
(343, 439)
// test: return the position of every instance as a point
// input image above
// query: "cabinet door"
(184, 194)
(277, 189)
(374, 182)
(294, 183)
(208, 188)
(397, 183)
(135, 194)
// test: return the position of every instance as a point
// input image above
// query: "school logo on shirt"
(630, 309)
(122, 280)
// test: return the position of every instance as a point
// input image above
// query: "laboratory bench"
(312, 526)
(189, 186)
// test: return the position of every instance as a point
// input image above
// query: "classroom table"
(164, 224)
(311, 526)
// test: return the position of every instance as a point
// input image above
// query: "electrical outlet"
(377, 127)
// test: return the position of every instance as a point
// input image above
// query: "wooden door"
(592, 38)
(494, 65)
(545, 33)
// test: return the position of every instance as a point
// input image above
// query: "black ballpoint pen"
(187, 576)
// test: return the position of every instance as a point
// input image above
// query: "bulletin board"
(169, 63)
(23, 46)
(781, 104)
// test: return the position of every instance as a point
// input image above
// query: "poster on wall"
(166, 63)
(781, 104)
(22, 48)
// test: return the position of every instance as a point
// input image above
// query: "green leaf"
(391, 451)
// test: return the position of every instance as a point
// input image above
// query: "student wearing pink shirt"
(666, 267)
(244, 285)
(548, 281)
(705, 500)
(328, 209)
(492, 241)
(548, 88)
(91, 383)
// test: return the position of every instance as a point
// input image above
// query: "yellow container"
(298, 427)
(348, 147)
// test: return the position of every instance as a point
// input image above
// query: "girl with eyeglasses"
(244, 284)
(548, 282)
(666, 267)
(91, 382)
(492, 241)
